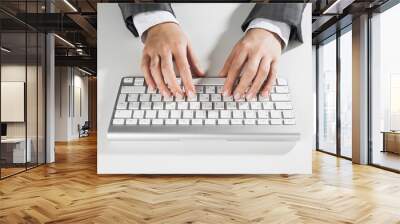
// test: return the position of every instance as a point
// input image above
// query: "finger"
(184, 71)
(258, 82)
(234, 71)
(271, 79)
(145, 66)
(167, 70)
(194, 62)
(249, 72)
(155, 70)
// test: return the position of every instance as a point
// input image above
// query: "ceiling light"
(70, 5)
(84, 71)
(5, 50)
(65, 41)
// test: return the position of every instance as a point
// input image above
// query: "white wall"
(69, 82)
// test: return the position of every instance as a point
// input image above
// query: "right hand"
(166, 44)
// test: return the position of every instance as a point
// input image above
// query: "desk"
(391, 141)
(15, 148)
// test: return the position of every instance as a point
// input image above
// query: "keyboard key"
(262, 114)
(149, 90)
(250, 114)
(192, 99)
(183, 105)
(244, 105)
(194, 105)
(276, 121)
(237, 114)
(210, 121)
(212, 114)
(151, 114)
(128, 80)
(206, 105)
(175, 114)
(236, 121)
(168, 98)
(288, 114)
(157, 121)
(231, 106)
(134, 105)
(144, 97)
(276, 114)
(139, 81)
(200, 114)
(219, 106)
(283, 105)
(197, 121)
(220, 89)
(158, 105)
(131, 121)
(121, 98)
(250, 121)
(156, 97)
(170, 105)
(223, 121)
(225, 114)
(144, 121)
(118, 121)
(215, 97)
(289, 121)
(133, 97)
(255, 106)
(133, 89)
(145, 106)
(204, 97)
(262, 122)
(163, 113)
(210, 89)
(188, 114)
(263, 98)
(280, 97)
(281, 89)
(184, 121)
(268, 105)
(122, 105)
(138, 114)
(123, 114)
(199, 89)
(281, 82)
(227, 98)
(170, 121)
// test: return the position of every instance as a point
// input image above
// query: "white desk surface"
(213, 29)
(13, 140)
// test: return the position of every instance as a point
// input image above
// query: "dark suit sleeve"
(129, 10)
(289, 13)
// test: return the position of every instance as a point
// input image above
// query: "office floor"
(70, 191)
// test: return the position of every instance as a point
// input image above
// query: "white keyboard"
(137, 105)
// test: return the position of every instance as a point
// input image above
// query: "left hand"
(256, 57)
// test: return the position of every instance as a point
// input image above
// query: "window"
(327, 97)
(346, 93)
(385, 89)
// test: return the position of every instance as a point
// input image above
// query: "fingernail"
(191, 94)
(225, 93)
(178, 95)
(165, 93)
(249, 96)
(237, 96)
(264, 94)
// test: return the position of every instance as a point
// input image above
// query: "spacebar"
(208, 81)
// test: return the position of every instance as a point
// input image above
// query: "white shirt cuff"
(143, 21)
(279, 28)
